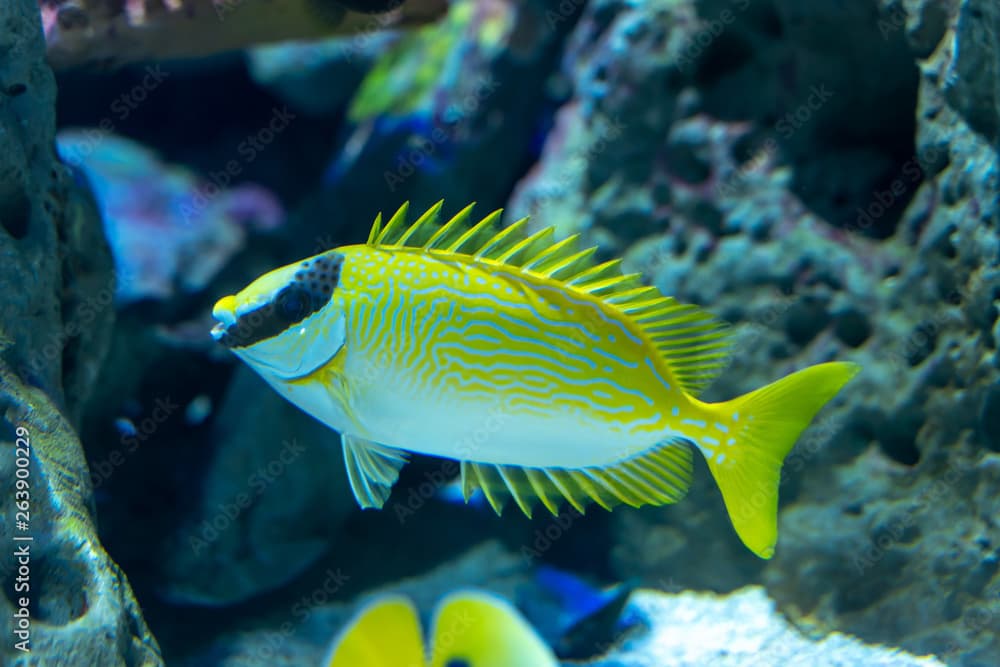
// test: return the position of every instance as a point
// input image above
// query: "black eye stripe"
(307, 293)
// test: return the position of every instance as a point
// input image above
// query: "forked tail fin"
(763, 427)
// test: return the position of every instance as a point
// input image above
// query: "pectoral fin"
(372, 469)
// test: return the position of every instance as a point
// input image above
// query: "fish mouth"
(225, 312)
(218, 331)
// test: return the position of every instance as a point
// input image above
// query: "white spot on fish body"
(722, 427)
(720, 458)
(731, 442)
(700, 423)
(675, 411)
(710, 440)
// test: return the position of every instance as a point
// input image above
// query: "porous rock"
(823, 228)
(742, 628)
(55, 269)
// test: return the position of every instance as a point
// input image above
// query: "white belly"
(386, 407)
(493, 429)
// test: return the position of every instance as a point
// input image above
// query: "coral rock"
(56, 272)
(167, 228)
(823, 229)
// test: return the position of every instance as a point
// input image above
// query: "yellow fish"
(549, 376)
(470, 628)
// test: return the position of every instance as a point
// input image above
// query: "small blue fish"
(589, 618)
(125, 427)
(453, 494)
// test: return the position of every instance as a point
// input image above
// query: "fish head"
(287, 323)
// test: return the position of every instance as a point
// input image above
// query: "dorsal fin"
(484, 240)
(693, 342)
(422, 229)
(500, 243)
(398, 232)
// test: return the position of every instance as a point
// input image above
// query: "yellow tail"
(763, 427)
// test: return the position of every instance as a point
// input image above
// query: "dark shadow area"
(840, 109)
(202, 115)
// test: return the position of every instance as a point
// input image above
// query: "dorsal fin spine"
(640, 308)
(677, 316)
(695, 359)
(669, 328)
(552, 253)
(569, 265)
(392, 228)
(600, 287)
(500, 240)
(376, 230)
(690, 349)
(473, 232)
(420, 225)
(529, 247)
(611, 267)
(636, 294)
(445, 235)
(714, 338)
(658, 312)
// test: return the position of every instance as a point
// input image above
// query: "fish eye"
(293, 303)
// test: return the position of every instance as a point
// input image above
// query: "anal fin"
(658, 476)
(372, 469)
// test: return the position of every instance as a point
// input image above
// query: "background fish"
(578, 619)
(470, 629)
(549, 376)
